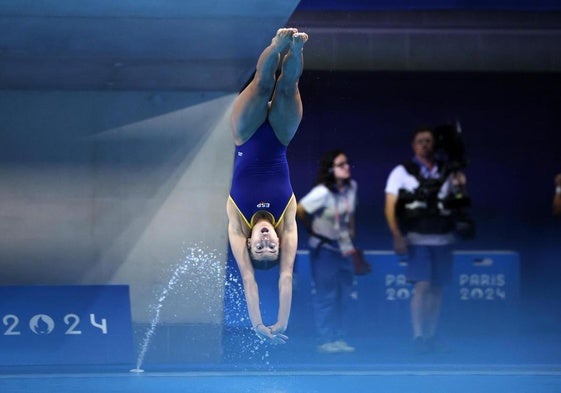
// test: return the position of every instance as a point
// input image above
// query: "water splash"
(201, 264)
(246, 343)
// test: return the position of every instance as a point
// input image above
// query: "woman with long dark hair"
(328, 212)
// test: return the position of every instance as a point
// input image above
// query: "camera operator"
(423, 197)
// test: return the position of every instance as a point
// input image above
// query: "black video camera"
(449, 147)
(450, 153)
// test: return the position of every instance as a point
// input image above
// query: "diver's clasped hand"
(270, 334)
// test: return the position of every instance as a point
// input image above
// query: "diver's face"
(264, 242)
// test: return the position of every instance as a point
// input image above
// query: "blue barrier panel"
(65, 325)
(386, 292)
(483, 296)
(485, 293)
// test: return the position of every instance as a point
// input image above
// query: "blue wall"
(511, 124)
(428, 4)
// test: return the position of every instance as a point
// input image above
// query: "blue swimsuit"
(261, 180)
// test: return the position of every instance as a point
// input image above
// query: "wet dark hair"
(325, 174)
(264, 264)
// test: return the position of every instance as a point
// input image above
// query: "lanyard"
(347, 210)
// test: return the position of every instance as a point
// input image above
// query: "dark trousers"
(334, 284)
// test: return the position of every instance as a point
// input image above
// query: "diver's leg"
(250, 108)
(286, 106)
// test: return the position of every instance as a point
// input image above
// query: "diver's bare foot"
(298, 40)
(283, 37)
